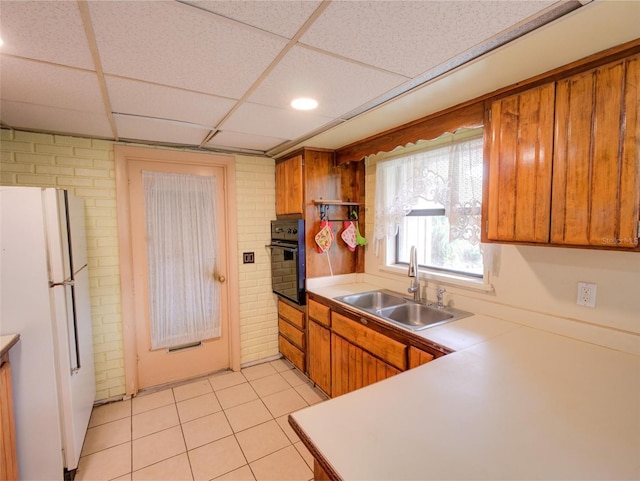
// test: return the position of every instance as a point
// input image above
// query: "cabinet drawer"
(291, 352)
(291, 314)
(293, 334)
(387, 349)
(319, 312)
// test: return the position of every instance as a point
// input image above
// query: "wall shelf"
(325, 204)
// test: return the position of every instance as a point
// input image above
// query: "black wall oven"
(288, 259)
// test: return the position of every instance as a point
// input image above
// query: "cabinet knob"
(222, 278)
(364, 321)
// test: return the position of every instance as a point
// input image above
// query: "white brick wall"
(256, 197)
(86, 168)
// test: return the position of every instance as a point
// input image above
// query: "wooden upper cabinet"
(596, 182)
(289, 183)
(520, 147)
(563, 163)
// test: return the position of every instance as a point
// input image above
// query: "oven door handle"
(284, 248)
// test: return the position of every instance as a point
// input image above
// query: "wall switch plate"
(248, 258)
(586, 294)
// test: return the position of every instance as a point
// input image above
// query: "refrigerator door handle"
(64, 283)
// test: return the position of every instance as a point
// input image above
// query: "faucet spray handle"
(439, 296)
(413, 262)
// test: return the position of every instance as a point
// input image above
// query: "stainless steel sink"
(373, 300)
(404, 312)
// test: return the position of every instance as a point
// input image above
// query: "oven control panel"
(287, 230)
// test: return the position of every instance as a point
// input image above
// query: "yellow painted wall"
(86, 168)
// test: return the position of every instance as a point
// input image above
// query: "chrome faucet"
(439, 295)
(413, 273)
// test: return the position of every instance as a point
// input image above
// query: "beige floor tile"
(284, 402)
(232, 396)
(283, 465)
(176, 468)
(107, 464)
(158, 419)
(283, 422)
(193, 389)
(197, 407)
(260, 440)
(281, 365)
(110, 412)
(126, 477)
(106, 436)
(241, 474)
(310, 394)
(258, 371)
(215, 459)
(157, 447)
(247, 415)
(294, 377)
(146, 402)
(206, 429)
(305, 453)
(225, 379)
(269, 385)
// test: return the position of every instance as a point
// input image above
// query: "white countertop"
(512, 403)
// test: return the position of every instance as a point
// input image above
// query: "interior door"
(164, 365)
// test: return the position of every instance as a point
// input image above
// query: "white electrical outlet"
(586, 294)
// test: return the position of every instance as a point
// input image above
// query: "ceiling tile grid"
(177, 45)
(177, 71)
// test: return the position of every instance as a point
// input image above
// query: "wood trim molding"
(470, 114)
(124, 154)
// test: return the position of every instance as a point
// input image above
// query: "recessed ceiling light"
(304, 103)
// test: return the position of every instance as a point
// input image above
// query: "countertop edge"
(7, 342)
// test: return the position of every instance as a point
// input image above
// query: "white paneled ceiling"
(220, 74)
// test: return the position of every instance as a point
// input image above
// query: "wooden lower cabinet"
(353, 367)
(292, 339)
(8, 454)
(319, 355)
(418, 357)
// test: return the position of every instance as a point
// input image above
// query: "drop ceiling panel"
(280, 17)
(410, 37)
(45, 30)
(28, 116)
(236, 140)
(338, 85)
(181, 46)
(151, 100)
(50, 85)
(272, 122)
(155, 130)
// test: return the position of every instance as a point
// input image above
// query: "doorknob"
(222, 278)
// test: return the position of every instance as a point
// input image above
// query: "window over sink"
(430, 195)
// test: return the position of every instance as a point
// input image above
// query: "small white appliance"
(44, 297)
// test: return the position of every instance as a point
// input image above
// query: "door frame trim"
(126, 153)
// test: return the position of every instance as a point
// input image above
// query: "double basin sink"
(399, 310)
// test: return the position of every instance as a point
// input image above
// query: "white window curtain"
(450, 175)
(184, 299)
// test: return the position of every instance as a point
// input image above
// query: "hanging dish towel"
(349, 235)
(361, 241)
(324, 238)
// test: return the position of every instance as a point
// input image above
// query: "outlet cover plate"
(586, 294)
(248, 258)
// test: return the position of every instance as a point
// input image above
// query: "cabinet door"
(520, 149)
(319, 356)
(418, 357)
(353, 367)
(8, 454)
(596, 178)
(289, 186)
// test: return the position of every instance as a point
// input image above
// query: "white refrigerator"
(44, 297)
